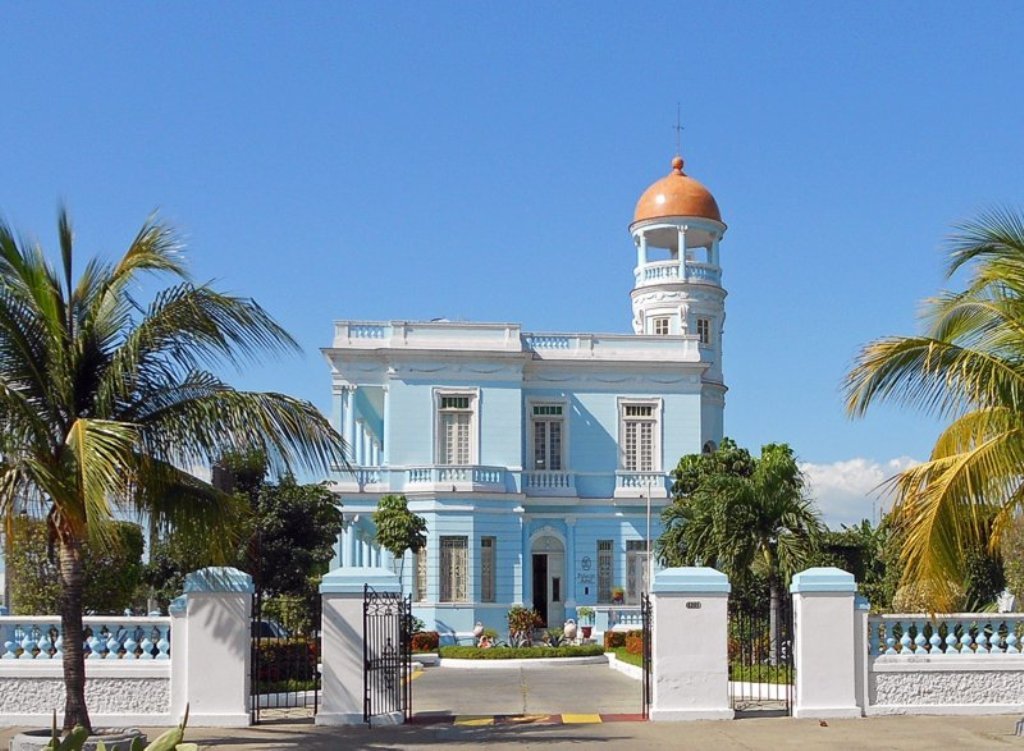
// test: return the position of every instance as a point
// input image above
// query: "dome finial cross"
(678, 128)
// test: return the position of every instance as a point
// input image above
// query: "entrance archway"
(547, 555)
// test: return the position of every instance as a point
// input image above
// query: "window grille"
(454, 552)
(488, 552)
(604, 570)
(661, 326)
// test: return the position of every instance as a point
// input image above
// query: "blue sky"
(481, 162)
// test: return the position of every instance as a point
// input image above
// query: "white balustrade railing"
(105, 638)
(961, 634)
(657, 272)
(703, 272)
(548, 479)
(454, 474)
(634, 480)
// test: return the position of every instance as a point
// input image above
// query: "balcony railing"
(460, 477)
(549, 482)
(659, 272)
(635, 484)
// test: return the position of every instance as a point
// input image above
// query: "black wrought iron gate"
(761, 672)
(285, 664)
(645, 618)
(387, 654)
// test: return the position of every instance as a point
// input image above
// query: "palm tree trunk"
(72, 578)
(773, 623)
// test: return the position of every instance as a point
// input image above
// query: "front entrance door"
(540, 584)
(549, 580)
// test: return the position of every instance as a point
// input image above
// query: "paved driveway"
(527, 690)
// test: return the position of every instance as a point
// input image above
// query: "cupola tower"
(677, 228)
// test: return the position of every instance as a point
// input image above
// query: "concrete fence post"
(826, 642)
(342, 642)
(211, 648)
(690, 652)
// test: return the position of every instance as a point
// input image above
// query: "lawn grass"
(780, 674)
(627, 657)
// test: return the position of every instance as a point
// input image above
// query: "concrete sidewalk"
(873, 733)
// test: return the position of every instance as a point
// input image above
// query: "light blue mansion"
(534, 457)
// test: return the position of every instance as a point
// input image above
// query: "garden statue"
(1006, 602)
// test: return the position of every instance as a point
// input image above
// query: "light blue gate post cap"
(352, 580)
(691, 580)
(218, 579)
(824, 579)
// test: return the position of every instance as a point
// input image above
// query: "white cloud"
(848, 491)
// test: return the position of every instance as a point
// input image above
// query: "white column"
(213, 634)
(360, 447)
(690, 645)
(825, 651)
(641, 251)
(342, 692)
(682, 253)
(347, 546)
(349, 406)
(386, 430)
(714, 251)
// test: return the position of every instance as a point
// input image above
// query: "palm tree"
(967, 367)
(740, 524)
(102, 401)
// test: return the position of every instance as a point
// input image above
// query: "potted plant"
(586, 616)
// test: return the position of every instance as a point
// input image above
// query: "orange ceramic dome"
(676, 194)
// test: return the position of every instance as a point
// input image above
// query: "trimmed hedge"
(520, 653)
(425, 641)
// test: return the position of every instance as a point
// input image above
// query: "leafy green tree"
(112, 570)
(288, 542)
(967, 367)
(102, 399)
(869, 552)
(745, 523)
(399, 529)
(691, 474)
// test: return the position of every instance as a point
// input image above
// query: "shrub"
(519, 653)
(522, 620)
(614, 639)
(284, 659)
(425, 641)
(635, 642)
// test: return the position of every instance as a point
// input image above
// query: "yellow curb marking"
(416, 674)
(579, 719)
(474, 720)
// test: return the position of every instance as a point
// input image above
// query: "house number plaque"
(693, 605)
